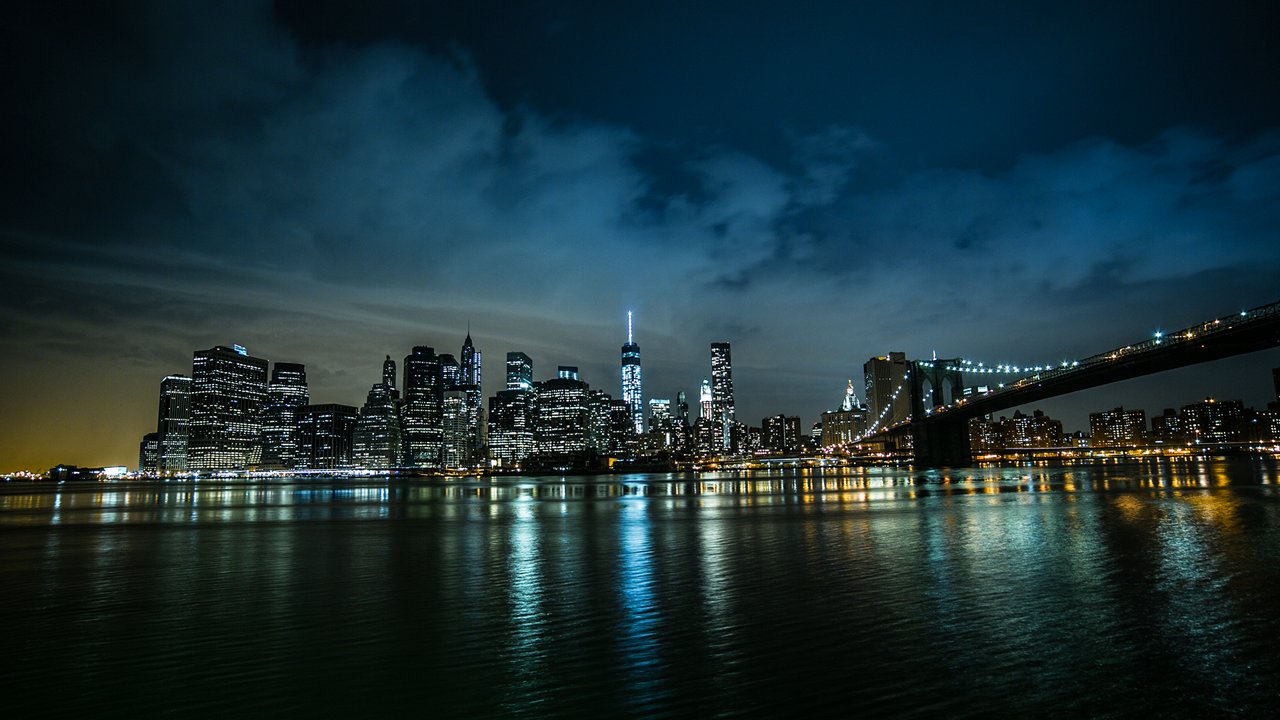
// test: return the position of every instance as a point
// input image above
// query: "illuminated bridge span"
(938, 425)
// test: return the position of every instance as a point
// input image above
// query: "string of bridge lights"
(874, 427)
(981, 368)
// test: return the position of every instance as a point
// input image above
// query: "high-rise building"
(422, 422)
(564, 414)
(389, 376)
(228, 388)
(519, 371)
(632, 387)
(376, 443)
(722, 407)
(326, 435)
(781, 433)
(659, 412)
(888, 397)
(149, 453)
(1214, 421)
(512, 416)
(681, 410)
(704, 399)
(599, 428)
(622, 428)
(456, 452)
(450, 371)
(474, 399)
(1117, 428)
(171, 423)
(286, 394)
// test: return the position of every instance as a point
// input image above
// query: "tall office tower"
(421, 420)
(470, 384)
(564, 413)
(519, 371)
(456, 452)
(450, 371)
(599, 427)
(171, 423)
(511, 427)
(681, 409)
(622, 429)
(722, 389)
(149, 453)
(376, 443)
(286, 394)
(780, 433)
(632, 391)
(885, 375)
(326, 434)
(704, 399)
(389, 377)
(228, 388)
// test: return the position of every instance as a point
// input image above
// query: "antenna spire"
(628, 327)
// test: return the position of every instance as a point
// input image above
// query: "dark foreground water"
(1105, 591)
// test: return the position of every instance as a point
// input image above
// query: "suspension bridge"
(936, 432)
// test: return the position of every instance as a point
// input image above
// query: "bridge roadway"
(941, 437)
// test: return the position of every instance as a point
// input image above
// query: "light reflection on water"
(1114, 590)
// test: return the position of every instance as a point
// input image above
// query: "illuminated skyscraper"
(149, 453)
(564, 414)
(512, 415)
(469, 383)
(519, 371)
(722, 387)
(376, 443)
(286, 394)
(171, 423)
(421, 418)
(228, 388)
(631, 384)
(704, 399)
(681, 409)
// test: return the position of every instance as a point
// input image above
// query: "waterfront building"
(622, 429)
(326, 436)
(421, 418)
(1214, 421)
(171, 423)
(149, 453)
(780, 434)
(564, 414)
(519, 371)
(1167, 428)
(704, 399)
(228, 388)
(1118, 428)
(512, 416)
(884, 377)
(286, 394)
(376, 442)
(632, 386)
(722, 407)
(841, 427)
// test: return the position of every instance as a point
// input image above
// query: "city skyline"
(327, 185)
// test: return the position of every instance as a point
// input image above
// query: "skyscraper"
(722, 387)
(469, 383)
(421, 418)
(512, 415)
(885, 375)
(389, 376)
(519, 371)
(376, 443)
(632, 389)
(171, 423)
(704, 399)
(325, 436)
(228, 388)
(564, 414)
(286, 394)
(149, 453)
(681, 409)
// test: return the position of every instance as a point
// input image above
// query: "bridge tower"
(937, 441)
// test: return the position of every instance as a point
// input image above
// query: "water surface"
(1104, 591)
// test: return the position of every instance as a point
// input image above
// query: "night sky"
(814, 182)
